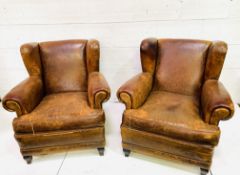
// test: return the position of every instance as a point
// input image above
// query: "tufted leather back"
(182, 65)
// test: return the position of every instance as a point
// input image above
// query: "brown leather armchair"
(174, 106)
(59, 107)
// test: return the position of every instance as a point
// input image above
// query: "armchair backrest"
(182, 65)
(63, 65)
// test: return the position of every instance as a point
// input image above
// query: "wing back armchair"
(174, 106)
(59, 107)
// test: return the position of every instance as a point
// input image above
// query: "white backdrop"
(119, 26)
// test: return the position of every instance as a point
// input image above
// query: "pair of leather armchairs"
(172, 108)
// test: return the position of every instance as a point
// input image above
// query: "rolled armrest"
(135, 91)
(216, 102)
(98, 90)
(25, 96)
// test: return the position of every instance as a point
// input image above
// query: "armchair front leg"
(216, 102)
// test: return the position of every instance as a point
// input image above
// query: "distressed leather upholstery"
(71, 57)
(63, 94)
(173, 115)
(135, 91)
(98, 90)
(25, 96)
(216, 102)
(60, 111)
(174, 106)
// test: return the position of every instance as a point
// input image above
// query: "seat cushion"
(61, 111)
(172, 115)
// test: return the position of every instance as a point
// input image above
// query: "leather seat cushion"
(60, 111)
(173, 115)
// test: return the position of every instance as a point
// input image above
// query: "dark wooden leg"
(100, 151)
(28, 159)
(204, 171)
(126, 152)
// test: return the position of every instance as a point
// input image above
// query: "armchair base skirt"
(167, 148)
(60, 141)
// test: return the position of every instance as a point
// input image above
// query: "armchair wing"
(25, 96)
(216, 102)
(135, 91)
(98, 90)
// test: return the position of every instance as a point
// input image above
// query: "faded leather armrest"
(216, 102)
(98, 90)
(25, 96)
(135, 91)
